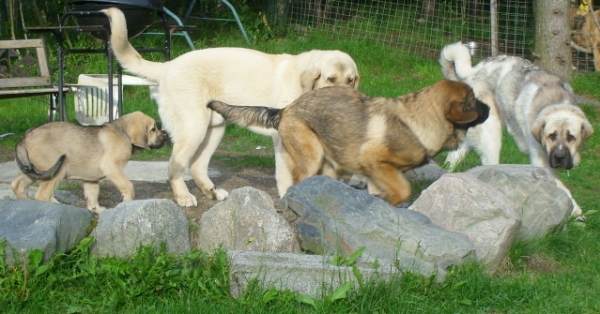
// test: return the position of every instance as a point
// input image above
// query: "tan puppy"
(338, 128)
(587, 38)
(232, 75)
(60, 150)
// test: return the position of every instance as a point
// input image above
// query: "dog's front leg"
(91, 191)
(116, 175)
(577, 211)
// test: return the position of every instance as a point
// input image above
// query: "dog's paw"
(188, 200)
(577, 211)
(98, 209)
(220, 194)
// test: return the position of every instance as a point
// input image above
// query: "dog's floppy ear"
(537, 128)
(309, 77)
(356, 81)
(137, 127)
(456, 113)
(586, 130)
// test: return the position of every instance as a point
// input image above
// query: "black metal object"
(139, 14)
(100, 28)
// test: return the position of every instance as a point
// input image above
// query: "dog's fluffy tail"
(455, 60)
(248, 116)
(127, 56)
(22, 159)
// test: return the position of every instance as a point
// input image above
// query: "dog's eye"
(331, 79)
(350, 81)
(552, 136)
(153, 129)
(570, 138)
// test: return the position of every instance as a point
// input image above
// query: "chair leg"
(52, 110)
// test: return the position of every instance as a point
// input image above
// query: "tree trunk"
(552, 37)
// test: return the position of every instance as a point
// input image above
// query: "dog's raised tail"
(22, 159)
(455, 60)
(248, 116)
(127, 56)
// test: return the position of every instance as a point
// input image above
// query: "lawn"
(557, 274)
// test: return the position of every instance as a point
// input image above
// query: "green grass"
(557, 274)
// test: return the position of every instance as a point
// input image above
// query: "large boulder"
(123, 229)
(539, 202)
(461, 203)
(50, 227)
(334, 217)
(246, 220)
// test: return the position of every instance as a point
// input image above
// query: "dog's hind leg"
(283, 174)
(20, 186)
(305, 155)
(200, 161)
(46, 188)
(187, 136)
(91, 191)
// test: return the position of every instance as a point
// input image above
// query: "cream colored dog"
(232, 75)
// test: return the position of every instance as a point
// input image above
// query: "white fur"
(523, 98)
(236, 76)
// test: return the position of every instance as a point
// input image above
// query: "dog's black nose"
(561, 158)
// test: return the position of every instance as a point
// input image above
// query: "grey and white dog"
(537, 108)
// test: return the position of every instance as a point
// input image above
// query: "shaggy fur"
(333, 129)
(537, 108)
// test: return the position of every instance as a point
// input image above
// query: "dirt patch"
(257, 177)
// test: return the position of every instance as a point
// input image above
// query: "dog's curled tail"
(22, 159)
(455, 60)
(127, 56)
(263, 117)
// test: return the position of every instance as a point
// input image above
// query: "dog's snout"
(483, 111)
(560, 157)
(161, 139)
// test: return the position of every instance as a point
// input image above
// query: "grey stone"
(64, 197)
(427, 172)
(6, 192)
(460, 202)
(311, 275)
(123, 229)
(335, 217)
(539, 202)
(50, 227)
(246, 220)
